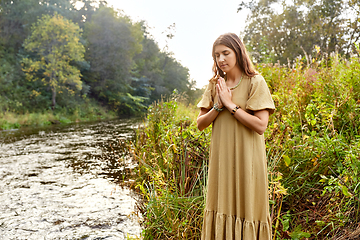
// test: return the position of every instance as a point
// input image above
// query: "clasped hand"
(224, 93)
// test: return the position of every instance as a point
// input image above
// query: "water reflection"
(55, 185)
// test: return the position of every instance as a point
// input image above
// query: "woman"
(238, 103)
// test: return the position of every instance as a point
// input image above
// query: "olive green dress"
(237, 204)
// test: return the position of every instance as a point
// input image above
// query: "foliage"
(316, 130)
(312, 148)
(124, 71)
(86, 11)
(88, 111)
(112, 42)
(283, 30)
(8, 89)
(16, 19)
(55, 41)
(172, 155)
(156, 73)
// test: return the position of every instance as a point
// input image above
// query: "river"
(55, 183)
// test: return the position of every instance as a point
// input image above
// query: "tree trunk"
(53, 89)
(53, 98)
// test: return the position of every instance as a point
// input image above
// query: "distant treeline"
(56, 56)
(284, 30)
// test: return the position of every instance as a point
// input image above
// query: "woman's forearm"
(206, 117)
(257, 122)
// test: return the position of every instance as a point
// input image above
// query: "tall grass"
(313, 149)
(83, 112)
(172, 155)
(316, 128)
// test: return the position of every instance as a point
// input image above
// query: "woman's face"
(225, 58)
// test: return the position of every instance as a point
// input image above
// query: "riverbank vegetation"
(87, 111)
(59, 58)
(312, 142)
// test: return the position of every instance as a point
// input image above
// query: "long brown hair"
(232, 41)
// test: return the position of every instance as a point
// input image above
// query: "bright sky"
(197, 23)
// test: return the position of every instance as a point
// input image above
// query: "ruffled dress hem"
(219, 226)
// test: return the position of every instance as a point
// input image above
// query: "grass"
(313, 149)
(12, 120)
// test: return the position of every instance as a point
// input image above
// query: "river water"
(55, 184)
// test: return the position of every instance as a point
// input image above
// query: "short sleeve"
(207, 100)
(259, 95)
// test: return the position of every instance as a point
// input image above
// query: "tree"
(17, 17)
(55, 43)
(299, 26)
(158, 73)
(112, 42)
(124, 68)
(88, 8)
